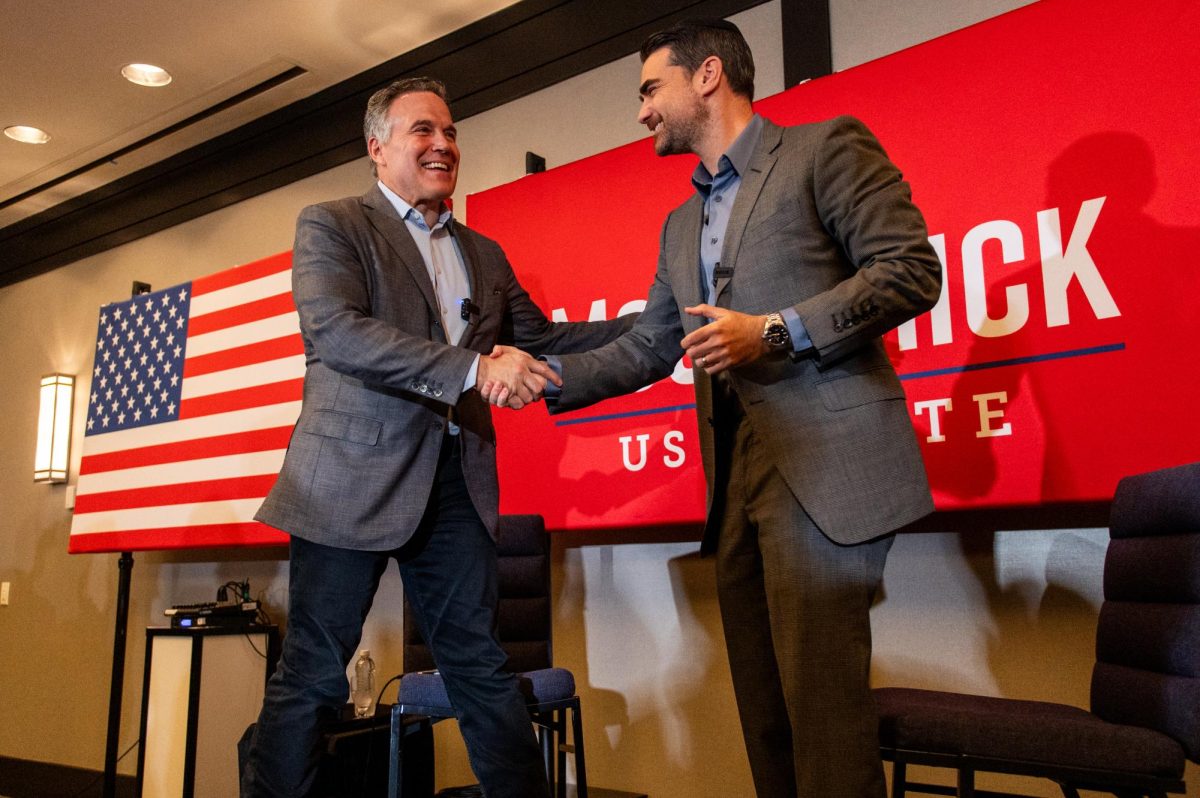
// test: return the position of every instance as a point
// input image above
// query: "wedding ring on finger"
(703, 362)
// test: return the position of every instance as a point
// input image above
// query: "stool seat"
(424, 692)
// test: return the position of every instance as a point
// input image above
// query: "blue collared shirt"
(718, 193)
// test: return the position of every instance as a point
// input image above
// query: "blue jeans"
(449, 572)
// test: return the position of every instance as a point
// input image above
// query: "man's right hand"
(509, 377)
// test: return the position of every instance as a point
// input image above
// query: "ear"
(375, 150)
(709, 75)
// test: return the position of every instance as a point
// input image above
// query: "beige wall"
(1007, 614)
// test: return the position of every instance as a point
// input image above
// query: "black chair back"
(1148, 638)
(525, 622)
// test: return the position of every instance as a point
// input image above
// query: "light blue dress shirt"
(447, 271)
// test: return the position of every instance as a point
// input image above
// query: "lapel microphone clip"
(467, 309)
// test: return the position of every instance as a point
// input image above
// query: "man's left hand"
(731, 339)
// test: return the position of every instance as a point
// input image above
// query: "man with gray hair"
(405, 314)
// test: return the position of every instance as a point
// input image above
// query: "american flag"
(194, 393)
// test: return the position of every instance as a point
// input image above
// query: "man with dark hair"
(393, 456)
(691, 43)
(799, 249)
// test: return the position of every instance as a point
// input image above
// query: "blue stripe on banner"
(611, 416)
(1016, 361)
(916, 375)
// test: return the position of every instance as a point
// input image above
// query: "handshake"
(509, 377)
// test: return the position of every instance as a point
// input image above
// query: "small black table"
(357, 752)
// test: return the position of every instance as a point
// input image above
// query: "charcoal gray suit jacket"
(381, 379)
(823, 222)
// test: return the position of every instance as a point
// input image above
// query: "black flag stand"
(116, 689)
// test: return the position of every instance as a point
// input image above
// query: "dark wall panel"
(517, 51)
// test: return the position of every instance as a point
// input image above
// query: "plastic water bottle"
(363, 691)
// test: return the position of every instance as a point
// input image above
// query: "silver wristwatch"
(775, 332)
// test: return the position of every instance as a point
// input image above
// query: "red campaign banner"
(1050, 150)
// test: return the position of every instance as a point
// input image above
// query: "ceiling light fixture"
(146, 74)
(27, 134)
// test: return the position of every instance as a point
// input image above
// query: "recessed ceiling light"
(146, 74)
(27, 134)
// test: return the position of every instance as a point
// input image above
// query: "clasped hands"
(509, 377)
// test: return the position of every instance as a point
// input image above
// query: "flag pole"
(117, 688)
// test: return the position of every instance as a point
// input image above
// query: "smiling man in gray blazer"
(799, 249)
(393, 456)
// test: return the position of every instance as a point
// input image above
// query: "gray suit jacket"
(823, 222)
(381, 378)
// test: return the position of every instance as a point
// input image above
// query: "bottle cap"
(365, 652)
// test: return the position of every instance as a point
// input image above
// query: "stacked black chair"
(525, 623)
(1145, 694)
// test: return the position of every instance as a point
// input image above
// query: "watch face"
(776, 333)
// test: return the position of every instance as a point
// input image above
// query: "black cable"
(100, 775)
(251, 642)
(395, 678)
(239, 592)
(261, 617)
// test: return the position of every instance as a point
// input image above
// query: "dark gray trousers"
(794, 605)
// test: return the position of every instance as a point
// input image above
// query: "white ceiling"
(60, 70)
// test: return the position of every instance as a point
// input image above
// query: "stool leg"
(577, 741)
(899, 776)
(395, 757)
(560, 747)
(966, 783)
(545, 732)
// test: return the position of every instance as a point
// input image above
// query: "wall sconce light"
(54, 428)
